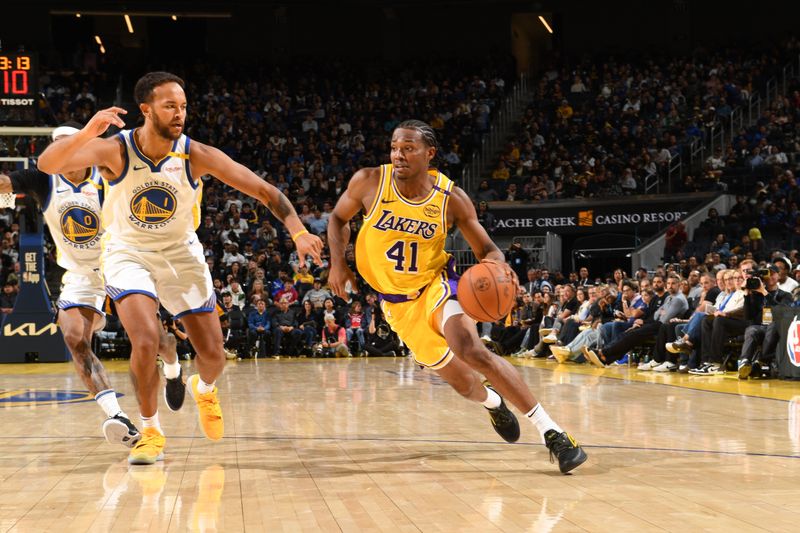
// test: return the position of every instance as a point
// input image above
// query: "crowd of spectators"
(599, 127)
(701, 318)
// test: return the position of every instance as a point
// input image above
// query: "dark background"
(284, 31)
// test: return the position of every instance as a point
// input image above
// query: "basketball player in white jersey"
(150, 251)
(71, 205)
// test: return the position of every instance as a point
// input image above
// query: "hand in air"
(103, 119)
(308, 244)
(338, 278)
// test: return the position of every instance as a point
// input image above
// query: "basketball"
(487, 291)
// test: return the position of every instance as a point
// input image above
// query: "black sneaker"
(118, 429)
(503, 420)
(563, 446)
(174, 392)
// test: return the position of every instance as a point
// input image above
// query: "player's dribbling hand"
(338, 280)
(309, 244)
(103, 119)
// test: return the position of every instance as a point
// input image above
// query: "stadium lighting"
(174, 17)
(130, 25)
(102, 49)
(98, 40)
(78, 15)
(546, 25)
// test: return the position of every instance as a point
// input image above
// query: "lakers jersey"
(152, 204)
(400, 247)
(72, 214)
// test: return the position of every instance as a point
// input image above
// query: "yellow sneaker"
(208, 410)
(149, 449)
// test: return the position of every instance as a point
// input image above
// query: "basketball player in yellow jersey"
(400, 252)
(151, 211)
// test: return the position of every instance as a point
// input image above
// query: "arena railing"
(503, 120)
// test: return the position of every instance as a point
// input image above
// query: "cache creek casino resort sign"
(625, 215)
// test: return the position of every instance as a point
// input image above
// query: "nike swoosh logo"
(62, 190)
(138, 168)
(387, 201)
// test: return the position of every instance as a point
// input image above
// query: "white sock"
(152, 422)
(492, 399)
(171, 370)
(203, 387)
(107, 400)
(539, 417)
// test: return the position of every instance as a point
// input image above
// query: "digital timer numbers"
(16, 71)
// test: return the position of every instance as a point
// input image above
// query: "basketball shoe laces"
(563, 441)
(208, 403)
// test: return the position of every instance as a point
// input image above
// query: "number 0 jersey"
(72, 213)
(152, 205)
(400, 247)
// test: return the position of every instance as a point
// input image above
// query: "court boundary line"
(446, 441)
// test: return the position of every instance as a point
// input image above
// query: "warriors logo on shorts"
(153, 206)
(79, 225)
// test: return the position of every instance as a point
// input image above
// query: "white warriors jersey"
(152, 205)
(72, 213)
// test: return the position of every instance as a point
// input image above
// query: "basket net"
(7, 200)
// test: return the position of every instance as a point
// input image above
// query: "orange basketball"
(487, 291)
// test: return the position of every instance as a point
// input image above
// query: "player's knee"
(477, 356)
(76, 343)
(145, 344)
(167, 343)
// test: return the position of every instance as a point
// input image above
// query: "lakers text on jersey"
(400, 253)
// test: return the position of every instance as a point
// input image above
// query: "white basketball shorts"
(177, 276)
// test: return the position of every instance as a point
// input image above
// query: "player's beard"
(164, 130)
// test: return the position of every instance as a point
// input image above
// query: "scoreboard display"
(19, 80)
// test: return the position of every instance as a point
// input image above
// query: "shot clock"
(19, 79)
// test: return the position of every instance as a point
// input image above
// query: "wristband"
(301, 232)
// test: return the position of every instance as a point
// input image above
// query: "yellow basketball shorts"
(414, 322)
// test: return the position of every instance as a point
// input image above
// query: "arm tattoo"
(283, 209)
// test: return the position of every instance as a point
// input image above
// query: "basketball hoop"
(8, 200)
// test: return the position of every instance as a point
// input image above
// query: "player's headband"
(63, 131)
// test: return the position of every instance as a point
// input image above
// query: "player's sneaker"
(149, 449)
(208, 410)
(118, 429)
(564, 447)
(175, 392)
(666, 366)
(503, 420)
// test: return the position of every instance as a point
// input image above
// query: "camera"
(753, 283)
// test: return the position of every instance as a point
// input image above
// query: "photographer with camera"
(762, 293)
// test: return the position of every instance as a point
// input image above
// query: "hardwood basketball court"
(380, 445)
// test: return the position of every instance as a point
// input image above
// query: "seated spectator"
(354, 326)
(501, 171)
(284, 326)
(258, 292)
(8, 298)
(303, 280)
(674, 305)
(762, 332)
(258, 328)
(308, 321)
(381, 342)
(287, 294)
(317, 295)
(238, 296)
(334, 339)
